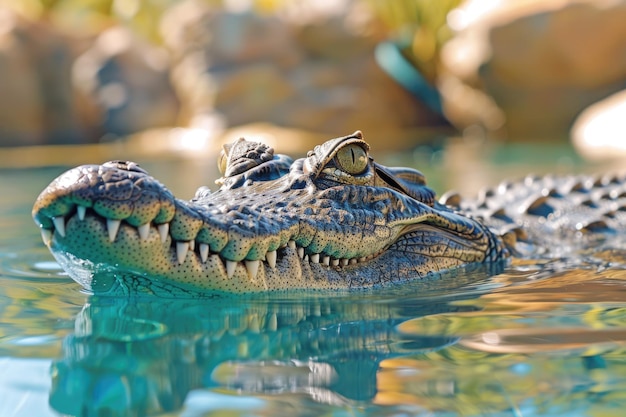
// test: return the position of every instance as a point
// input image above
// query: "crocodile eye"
(222, 162)
(352, 159)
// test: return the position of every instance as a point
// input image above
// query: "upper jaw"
(224, 222)
(68, 234)
(190, 263)
(185, 236)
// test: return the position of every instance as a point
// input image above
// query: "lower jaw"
(132, 266)
(195, 280)
(151, 266)
(158, 271)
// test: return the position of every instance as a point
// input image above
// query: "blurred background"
(142, 79)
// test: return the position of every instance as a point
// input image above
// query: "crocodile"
(333, 220)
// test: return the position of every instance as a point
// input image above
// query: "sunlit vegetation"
(418, 25)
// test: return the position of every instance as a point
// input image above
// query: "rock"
(540, 62)
(252, 93)
(599, 132)
(128, 81)
(51, 95)
(38, 105)
(316, 74)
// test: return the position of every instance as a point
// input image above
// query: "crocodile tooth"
(46, 235)
(59, 224)
(253, 268)
(326, 260)
(315, 258)
(243, 350)
(344, 261)
(164, 229)
(181, 251)
(335, 262)
(271, 258)
(352, 261)
(362, 259)
(144, 231)
(113, 226)
(272, 322)
(301, 253)
(204, 252)
(230, 268)
(306, 258)
(316, 311)
(192, 245)
(253, 324)
(81, 210)
(292, 244)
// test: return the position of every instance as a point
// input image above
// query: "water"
(533, 341)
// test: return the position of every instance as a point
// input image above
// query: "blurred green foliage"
(419, 26)
(88, 17)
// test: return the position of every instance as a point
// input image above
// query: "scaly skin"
(333, 220)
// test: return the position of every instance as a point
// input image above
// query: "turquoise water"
(533, 341)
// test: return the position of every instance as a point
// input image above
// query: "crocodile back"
(552, 215)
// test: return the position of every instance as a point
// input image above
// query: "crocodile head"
(333, 220)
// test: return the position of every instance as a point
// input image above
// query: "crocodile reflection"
(129, 356)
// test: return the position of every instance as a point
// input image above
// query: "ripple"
(33, 263)
(542, 340)
(39, 340)
(50, 267)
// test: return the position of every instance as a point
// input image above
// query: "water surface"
(536, 340)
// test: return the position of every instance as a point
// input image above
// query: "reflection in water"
(527, 347)
(545, 347)
(146, 355)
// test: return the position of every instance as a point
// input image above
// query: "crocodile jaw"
(130, 264)
(83, 247)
